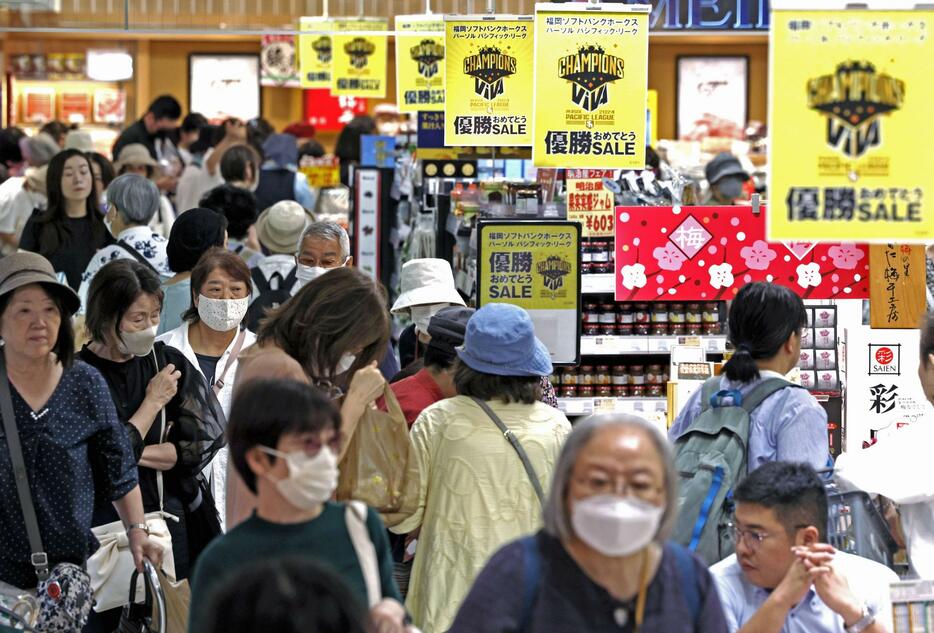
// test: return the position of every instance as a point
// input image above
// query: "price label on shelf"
(660, 345)
(604, 405)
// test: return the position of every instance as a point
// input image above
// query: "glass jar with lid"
(637, 375)
(711, 312)
(676, 313)
(602, 375)
(693, 313)
(585, 375)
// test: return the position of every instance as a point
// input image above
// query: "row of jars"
(611, 381)
(597, 257)
(604, 317)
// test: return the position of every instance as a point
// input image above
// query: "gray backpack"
(710, 457)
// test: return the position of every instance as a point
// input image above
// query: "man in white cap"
(427, 286)
(279, 229)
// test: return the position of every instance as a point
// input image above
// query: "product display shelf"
(616, 345)
(587, 406)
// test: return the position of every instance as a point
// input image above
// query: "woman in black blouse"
(71, 229)
(123, 307)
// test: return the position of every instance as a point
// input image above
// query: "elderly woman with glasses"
(601, 563)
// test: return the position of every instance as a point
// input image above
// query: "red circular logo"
(884, 356)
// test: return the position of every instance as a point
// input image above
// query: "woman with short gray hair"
(132, 201)
(602, 562)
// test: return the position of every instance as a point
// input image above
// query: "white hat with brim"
(280, 226)
(134, 154)
(425, 282)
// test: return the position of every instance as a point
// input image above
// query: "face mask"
(109, 225)
(615, 526)
(137, 343)
(222, 315)
(311, 480)
(421, 315)
(305, 274)
(345, 363)
(730, 188)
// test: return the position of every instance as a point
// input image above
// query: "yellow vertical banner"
(488, 80)
(315, 53)
(359, 66)
(850, 119)
(420, 63)
(591, 77)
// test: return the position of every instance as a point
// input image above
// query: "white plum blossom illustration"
(809, 275)
(634, 276)
(721, 275)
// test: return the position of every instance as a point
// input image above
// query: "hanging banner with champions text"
(591, 76)
(488, 81)
(589, 202)
(420, 63)
(851, 126)
(535, 266)
(359, 66)
(315, 53)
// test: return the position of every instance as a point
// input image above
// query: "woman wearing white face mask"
(211, 337)
(601, 563)
(144, 378)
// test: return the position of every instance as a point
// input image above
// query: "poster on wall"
(279, 62)
(855, 88)
(591, 77)
(223, 86)
(420, 63)
(897, 289)
(709, 253)
(589, 202)
(712, 96)
(315, 52)
(488, 80)
(358, 67)
(535, 266)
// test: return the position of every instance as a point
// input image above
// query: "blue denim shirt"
(788, 426)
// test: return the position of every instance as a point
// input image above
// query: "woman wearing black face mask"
(725, 176)
(144, 378)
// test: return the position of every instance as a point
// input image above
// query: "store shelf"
(619, 345)
(588, 406)
(598, 284)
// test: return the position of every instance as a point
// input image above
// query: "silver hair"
(557, 514)
(327, 231)
(136, 198)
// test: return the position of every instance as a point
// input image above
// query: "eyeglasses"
(751, 538)
(603, 485)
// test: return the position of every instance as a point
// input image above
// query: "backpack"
(710, 457)
(266, 297)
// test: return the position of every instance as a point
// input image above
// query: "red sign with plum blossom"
(709, 253)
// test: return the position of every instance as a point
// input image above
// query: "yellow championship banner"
(420, 63)
(850, 119)
(314, 53)
(488, 81)
(359, 66)
(591, 77)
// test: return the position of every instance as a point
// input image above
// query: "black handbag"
(150, 615)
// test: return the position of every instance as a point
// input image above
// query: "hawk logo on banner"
(589, 71)
(322, 49)
(428, 53)
(853, 100)
(488, 68)
(359, 50)
(553, 271)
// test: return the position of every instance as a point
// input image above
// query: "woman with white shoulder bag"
(174, 423)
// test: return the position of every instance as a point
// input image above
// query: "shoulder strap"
(136, 255)
(531, 572)
(159, 481)
(238, 345)
(688, 576)
(763, 390)
(39, 559)
(529, 469)
(355, 517)
(709, 388)
(262, 284)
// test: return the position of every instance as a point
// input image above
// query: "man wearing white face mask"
(287, 456)
(602, 563)
(322, 247)
(427, 286)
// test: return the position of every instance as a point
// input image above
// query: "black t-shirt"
(73, 253)
(208, 366)
(136, 133)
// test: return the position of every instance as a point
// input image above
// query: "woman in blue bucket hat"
(481, 486)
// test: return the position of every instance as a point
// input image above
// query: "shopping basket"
(855, 525)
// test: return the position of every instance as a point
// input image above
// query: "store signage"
(897, 288)
(420, 63)
(488, 81)
(331, 114)
(589, 202)
(885, 359)
(855, 89)
(367, 221)
(377, 151)
(321, 172)
(358, 64)
(591, 76)
(709, 253)
(278, 62)
(430, 130)
(536, 266)
(315, 52)
(705, 15)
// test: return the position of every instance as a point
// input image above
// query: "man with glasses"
(784, 577)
